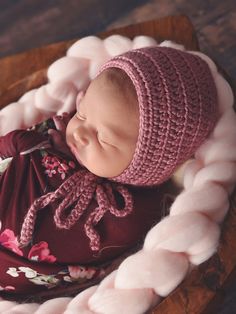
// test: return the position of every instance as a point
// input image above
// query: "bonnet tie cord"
(68, 191)
(106, 202)
(81, 193)
(79, 189)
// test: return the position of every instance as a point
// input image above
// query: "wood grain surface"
(203, 289)
(213, 20)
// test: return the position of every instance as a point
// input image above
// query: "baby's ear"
(79, 98)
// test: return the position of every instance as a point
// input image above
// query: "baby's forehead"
(118, 79)
(117, 84)
(113, 75)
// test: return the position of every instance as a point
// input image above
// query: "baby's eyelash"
(100, 140)
(78, 115)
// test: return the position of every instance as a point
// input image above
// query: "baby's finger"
(67, 116)
(60, 123)
(59, 142)
(56, 137)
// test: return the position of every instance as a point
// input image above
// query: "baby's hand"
(62, 121)
(58, 136)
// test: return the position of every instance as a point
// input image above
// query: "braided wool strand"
(66, 77)
(189, 235)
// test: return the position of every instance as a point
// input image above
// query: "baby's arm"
(20, 141)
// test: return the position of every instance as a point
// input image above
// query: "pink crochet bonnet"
(177, 101)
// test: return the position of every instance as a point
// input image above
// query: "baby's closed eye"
(105, 140)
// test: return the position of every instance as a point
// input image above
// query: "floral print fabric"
(56, 258)
(40, 252)
(55, 165)
(25, 269)
(71, 274)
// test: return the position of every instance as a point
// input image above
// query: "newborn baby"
(103, 133)
(80, 195)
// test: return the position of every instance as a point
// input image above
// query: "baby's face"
(103, 133)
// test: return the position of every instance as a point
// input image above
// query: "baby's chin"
(104, 173)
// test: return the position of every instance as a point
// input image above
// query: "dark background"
(32, 23)
(26, 24)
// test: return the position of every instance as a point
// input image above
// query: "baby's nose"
(81, 136)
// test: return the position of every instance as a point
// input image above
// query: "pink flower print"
(55, 165)
(50, 173)
(74, 271)
(9, 240)
(7, 288)
(41, 252)
(63, 167)
(71, 164)
(77, 272)
(54, 162)
(47, 162)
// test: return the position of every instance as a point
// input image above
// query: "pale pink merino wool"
(187, 236)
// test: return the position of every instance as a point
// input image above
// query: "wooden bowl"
(202, 290)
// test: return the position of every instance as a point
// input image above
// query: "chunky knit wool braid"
(189, 235)
(66, 77)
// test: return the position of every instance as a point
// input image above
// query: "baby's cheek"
(100, 162)
(118, 163)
